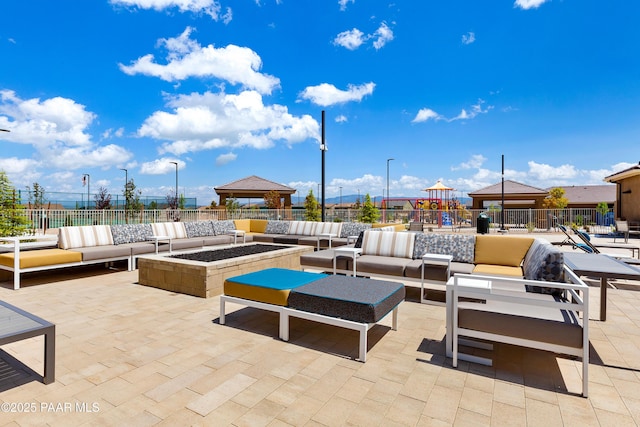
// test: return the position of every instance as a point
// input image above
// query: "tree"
(231, 205)
(603, 209)
(213, 204)
(555, 199)
(172, 201)
(13, 219)
(369, 213)
(312, 210)
(273, 200)
(36, 196)
(102, 199)
(132, 201)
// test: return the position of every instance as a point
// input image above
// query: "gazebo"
(253, 187)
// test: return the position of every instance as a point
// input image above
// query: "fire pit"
(202, 273)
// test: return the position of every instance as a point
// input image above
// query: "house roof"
(254, 184)
(510, 187)
(627, 173)
(589, 194)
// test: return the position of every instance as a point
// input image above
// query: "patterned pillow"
(388, 243)
(174, 230)
(199, 228)
(223, 226)
(353, 228)
(85, 236)
(544, 262)
(277, 227)
(420, 245)
(131, 233)
(460, 246)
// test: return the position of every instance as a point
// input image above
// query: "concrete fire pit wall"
(207, 279)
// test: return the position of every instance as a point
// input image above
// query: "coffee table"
(18, 325)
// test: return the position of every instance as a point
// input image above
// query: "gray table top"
(600, 265)
(15, 321)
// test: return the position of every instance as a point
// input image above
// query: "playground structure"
(439, 206)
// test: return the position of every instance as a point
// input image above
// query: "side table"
(352, 252)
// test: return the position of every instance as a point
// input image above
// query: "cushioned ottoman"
(348, 302)
(356, 299)
(270, 286)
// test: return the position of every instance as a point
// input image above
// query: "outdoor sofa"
(410, 256)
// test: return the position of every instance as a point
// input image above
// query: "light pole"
(340, 197)
(176, 163)
(126, 182)
(88, 181)
(387, 203)
(502, 210)
(5, 130)
(323, 148)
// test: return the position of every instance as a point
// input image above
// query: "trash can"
(483, 223)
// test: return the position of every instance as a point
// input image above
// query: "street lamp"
(387, 204)
(340, 197)
(176, 163)
(5, 130)
(126, 182)
(88, 182)
(323, 148)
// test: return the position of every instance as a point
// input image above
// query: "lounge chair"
(587, 247)
(622, 228)
(416, 226)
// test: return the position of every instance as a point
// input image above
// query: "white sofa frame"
(286, 312)
(577, 290)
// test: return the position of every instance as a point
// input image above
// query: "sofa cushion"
(385, 265)
(174, 230)
(388, 243)
(131, 233)
(223, 226)
(328, 228)
(544, 262)
(303, 228)
(277, 227)
(353, 228)
(93, 253)
(242, 224)
(501, 250)
(41, 258)
(85, 235)
(199, 228)
(258, 225)
(497, 270)
(460, 246)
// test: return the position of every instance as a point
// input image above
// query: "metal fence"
(529, 220)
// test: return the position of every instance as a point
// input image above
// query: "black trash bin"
(483, 224)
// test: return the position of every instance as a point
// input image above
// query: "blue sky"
(230, 89)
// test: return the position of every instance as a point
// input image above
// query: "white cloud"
(57, 128)
(208, 7)
(351, 39)
(475, 162)
(207, 121)
(343, 4)
(161, 166)
(425, 114)
(382, 36)
(529, 4)
(341, 119)
(187, 58)
(223, 159)
(327, 94)
(469, 38)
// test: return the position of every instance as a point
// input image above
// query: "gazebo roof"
(253, 184)
(510, 187)
(438, 186)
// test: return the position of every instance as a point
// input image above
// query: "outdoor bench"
(347, 302)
